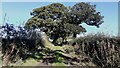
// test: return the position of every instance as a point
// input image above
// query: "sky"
(59, 0)
(19, 12)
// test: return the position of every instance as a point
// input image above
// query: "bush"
(18, 42)
(104, 50)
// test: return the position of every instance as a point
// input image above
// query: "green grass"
(0, 59)
(58, 64)
(28, 62)
(0, 62)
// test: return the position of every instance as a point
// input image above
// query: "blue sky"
(60, 0)
(18, 12)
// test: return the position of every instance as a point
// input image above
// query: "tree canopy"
(59, 21)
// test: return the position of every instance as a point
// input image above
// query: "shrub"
(104, 50)
(18, 42)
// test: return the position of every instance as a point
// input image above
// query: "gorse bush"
(17, 42)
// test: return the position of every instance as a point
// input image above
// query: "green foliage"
(84, 12)
(59, 21)
(38, 55)
(58, 58)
